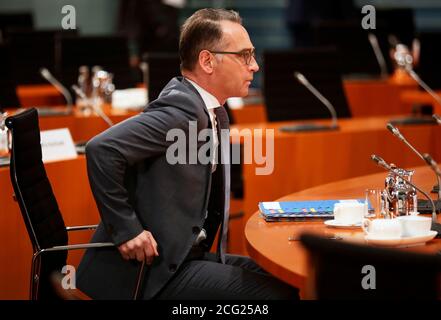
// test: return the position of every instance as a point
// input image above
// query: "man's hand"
(142, 248)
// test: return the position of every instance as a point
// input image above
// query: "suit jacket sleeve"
(113, 151)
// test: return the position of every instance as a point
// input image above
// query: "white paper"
(57, 145)
(129, 99)
(271, 205)
(348, 201)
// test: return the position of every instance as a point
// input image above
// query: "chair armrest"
(77, 247)
(85, 227)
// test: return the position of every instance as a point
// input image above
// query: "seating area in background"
(25, 50)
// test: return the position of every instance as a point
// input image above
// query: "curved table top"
(268, 244)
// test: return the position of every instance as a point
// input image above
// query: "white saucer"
(335, 224)
(402, 241)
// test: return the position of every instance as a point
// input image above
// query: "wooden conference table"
(306, 159)
(267, 242)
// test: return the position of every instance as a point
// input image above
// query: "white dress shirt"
(211, 103)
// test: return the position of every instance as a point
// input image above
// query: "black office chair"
(336, 271)
(287, 99)
(39, 208)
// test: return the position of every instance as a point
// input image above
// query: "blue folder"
(300, 210)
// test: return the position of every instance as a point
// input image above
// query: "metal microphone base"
(308, 127)
(424, 206)
(436, 227)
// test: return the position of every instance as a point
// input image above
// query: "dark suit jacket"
(136, 188)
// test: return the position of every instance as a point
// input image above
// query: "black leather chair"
(39, 208)
(336, 271)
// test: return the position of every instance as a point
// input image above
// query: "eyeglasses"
(246, 54)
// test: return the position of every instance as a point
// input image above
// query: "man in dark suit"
(167, 213)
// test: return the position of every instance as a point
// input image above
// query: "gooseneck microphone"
(96, 109)
(301, 78)
(396, 132)
(437, 118)
(405, 61)
(45, 73)
(380, 162)
(311, 126)
(373, 40)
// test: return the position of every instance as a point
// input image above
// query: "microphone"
(144, 66)
(96, 109)
(405, 61)
(380, 162)
(396, 132)
(378, 54)
(314, 127)
(437, 118)
(45, 73)
(426, 158)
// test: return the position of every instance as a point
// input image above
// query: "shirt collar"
(210, 101)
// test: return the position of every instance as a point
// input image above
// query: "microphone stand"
(313, 126)
(426, 157)
(96, 109)
(380, 162)
(404, 60)
(46, 74)
(378, 54)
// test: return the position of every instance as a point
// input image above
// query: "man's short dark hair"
(202, 31)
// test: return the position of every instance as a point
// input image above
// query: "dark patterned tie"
(224, 141)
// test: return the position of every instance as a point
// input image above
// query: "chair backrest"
(399, 22)
(109, 52)
(352, 42)
(429, 67)
(33, 191)
(27, 63)
(8, 95)
(339, 270)
(16, 20)
(162, 67)
(287, 99)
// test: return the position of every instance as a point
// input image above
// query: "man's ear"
(206, 61)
